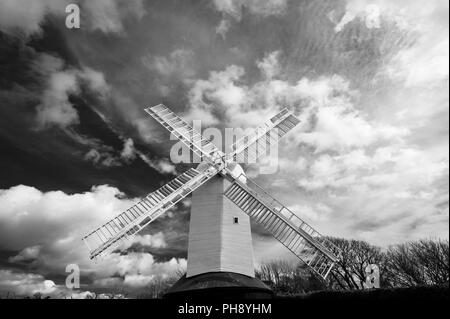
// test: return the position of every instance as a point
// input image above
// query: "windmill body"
(219, 233)
(223, 201)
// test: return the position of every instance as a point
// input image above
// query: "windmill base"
(219, 285)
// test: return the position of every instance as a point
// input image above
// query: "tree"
(350, 271)
(424, 262)
(285, 277)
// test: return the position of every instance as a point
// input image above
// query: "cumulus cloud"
(25, 284)
(57, 221)
(326, 106)
(138, 270)
(342, 148)
(22, 284)
(390, 166)
(342, 127)
(157, 240)
(219, 91)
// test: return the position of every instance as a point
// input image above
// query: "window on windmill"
(236, 220)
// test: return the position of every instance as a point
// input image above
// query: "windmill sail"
(300, 238)
(113, 233)
(254, 145)
(199, 145)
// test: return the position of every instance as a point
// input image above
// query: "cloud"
(28, 210)
(340, 127)
(27, 254)
(178, 67)
(138, 270)
(14, 284)
(179, 62)
(108, 16)
(161, 165)
(223, 27)
(233, 10)
(219, 91)
(390, 166)
(299, 163)
(426, 60)
(369, 12)
(314, 213)
(404, 13)
(55, 222)
(269, 66)
(384, 191)
(267, 8)
(329, 119)
(348, 151)
(55, 107)
(25, 284)
(27, 15)
(128, 152)
(103, 15)
(102, 158)
(95, 80)
(102, 155)
(157, 240)
(106, 156)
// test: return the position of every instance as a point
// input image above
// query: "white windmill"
(223, 201)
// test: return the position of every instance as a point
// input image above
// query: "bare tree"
(425, 262)
(289, 277)
(350, 270)
(158, 287)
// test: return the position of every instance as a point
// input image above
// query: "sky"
(367, 79)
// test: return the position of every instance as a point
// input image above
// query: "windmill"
(223, 201)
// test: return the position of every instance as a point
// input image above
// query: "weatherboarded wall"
(216, 241)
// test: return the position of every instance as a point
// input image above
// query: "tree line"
(416, 263)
